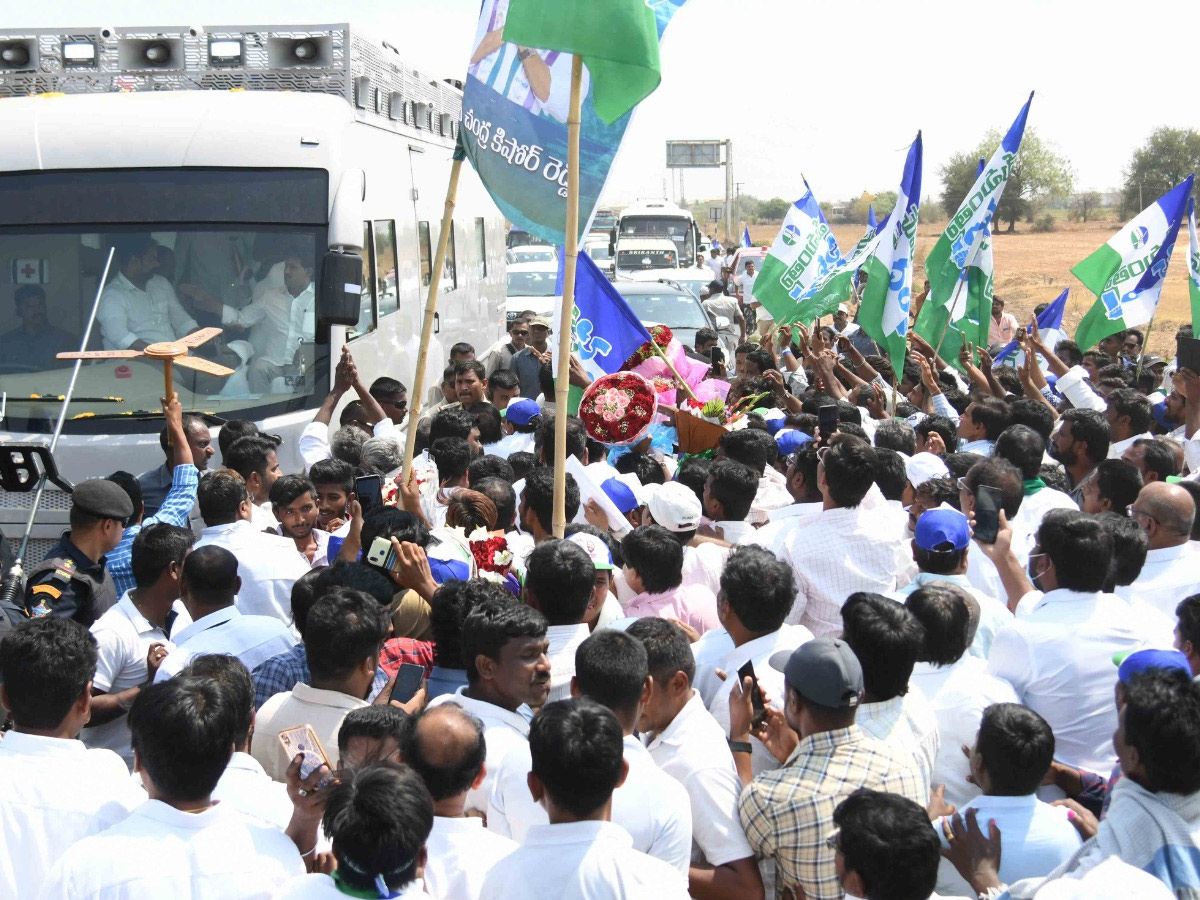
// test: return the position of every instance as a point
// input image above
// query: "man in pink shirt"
(654, 571)
(1003, 327)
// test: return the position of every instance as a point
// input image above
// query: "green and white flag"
(1193, 262)
(1127, 273)
(803, 252)
(888, 258)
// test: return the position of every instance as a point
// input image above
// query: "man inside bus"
(32, 345)
(280, 318)
(138, 306)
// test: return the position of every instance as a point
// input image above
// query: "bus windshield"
(678, 229)
(254, 283)
(646, 259)
(236, 249)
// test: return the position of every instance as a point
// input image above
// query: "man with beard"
(294, 502)
(1080, 444)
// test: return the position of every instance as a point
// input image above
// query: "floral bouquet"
(618, 408)
(493, 560)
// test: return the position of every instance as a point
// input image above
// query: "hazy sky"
(836, 90)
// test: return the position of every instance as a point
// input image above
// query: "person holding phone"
(999, 484)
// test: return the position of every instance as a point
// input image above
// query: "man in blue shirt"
(32, 345)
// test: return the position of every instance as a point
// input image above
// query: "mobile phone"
(1188, 353)
(369, 490)
(303, 740)
(756, 697)
(381, 554)
(988, 501)
(408, 682)
(827, 420)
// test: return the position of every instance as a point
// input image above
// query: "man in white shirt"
(133, 636)
(941, 548)
(757, 593)
(687, 743)
(1025, 449)
(955, 683)
(745, 293)
(445, 746)
(801, 484)
(209, 588)
(179, 843)
(254, 458)
(380, 817)
(1058, 658)
(294, 505)
(651, 806)
(577, 760)
(980, 425)
(138, 307)
(841, 321)
(716, 264)
(559, 580)
(53, 790)
(729, 493)
(1009, 758)
(1003, 478)
(845, 548)
(344, 632)
(887, 639)
(504, 647)
(243, 785)
(268, 564)
(1172, 568)
(1129, 416)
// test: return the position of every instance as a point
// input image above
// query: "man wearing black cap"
(788, 813)
(72, 581)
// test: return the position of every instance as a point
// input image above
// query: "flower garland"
(662, 337)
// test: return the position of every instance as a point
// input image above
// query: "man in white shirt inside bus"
(138, 306)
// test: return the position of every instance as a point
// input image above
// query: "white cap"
(921, 467)
(843, 308)
(673, 506)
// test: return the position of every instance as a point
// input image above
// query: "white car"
(531, 287)
(532, 253)
(693, 280)
(597, 249)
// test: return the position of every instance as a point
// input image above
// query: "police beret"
(102, 498)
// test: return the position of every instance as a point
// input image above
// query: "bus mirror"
(612, 243)
(339, 301)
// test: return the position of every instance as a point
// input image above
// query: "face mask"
(1033, 579)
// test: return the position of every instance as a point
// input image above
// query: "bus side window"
(425, 253)
(366, 316)
(385, 266)
(450, 265)
(480, 250)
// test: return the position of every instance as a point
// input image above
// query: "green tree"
(885, 202)
(1085, 204)
(1168, 157)
(1038, 174)
(772, 210)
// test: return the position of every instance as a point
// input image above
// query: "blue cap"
(791, 440)
(938, 527)
(620, 494)
(1140, 661)
(521, 412)
(1159, 411)
(774, 419)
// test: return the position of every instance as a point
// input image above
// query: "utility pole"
(728, 188)
(682, 196)
(738, 200)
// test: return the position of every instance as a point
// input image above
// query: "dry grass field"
(1033, 268)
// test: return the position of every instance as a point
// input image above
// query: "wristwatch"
(741, 747)
(525, 53)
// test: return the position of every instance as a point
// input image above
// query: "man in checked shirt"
(787, 813)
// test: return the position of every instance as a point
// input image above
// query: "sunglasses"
(520, 333)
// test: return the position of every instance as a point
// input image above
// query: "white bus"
(232, 148)
(659, 219)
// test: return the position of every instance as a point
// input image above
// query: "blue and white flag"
(872, 230)
(1051, 317)
(746, 237)
(804, 252)
(605, 331)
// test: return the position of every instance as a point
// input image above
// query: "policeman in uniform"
(72, 581)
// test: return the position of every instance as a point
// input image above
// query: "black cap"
(823, 670)
(103, 499)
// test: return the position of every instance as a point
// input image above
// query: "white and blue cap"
(621, 495)
(789, 440)
(595, 548)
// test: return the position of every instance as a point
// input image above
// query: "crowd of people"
(900, 634)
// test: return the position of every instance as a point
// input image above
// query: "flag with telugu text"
(804, 251)
(1126, 274)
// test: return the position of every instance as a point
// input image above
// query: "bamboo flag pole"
(431, 300)
(562, 382)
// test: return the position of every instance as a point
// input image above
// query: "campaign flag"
(883, 314)
(1127, 273)
(604, 330)
(1051, 317)
(968, 229)
(517, 93)
(746, 237)
(804, 251)
(882, 256)
(1193, 261)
